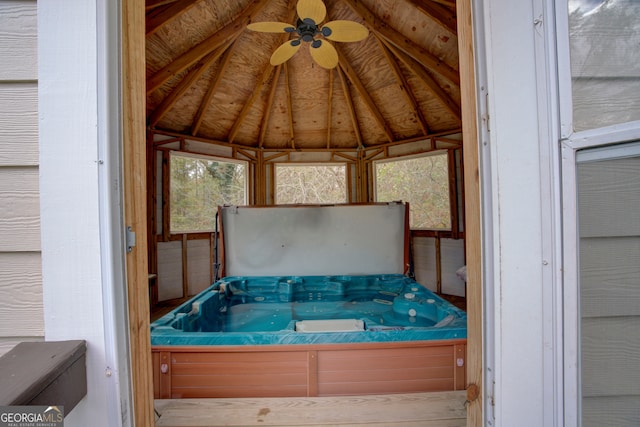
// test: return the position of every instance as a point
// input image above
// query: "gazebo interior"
(215, 88)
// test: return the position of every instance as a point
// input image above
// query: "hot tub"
(309, 335)
(310, 310)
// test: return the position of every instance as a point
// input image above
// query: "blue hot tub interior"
(264, 310)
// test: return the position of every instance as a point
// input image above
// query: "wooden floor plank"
(442, 409)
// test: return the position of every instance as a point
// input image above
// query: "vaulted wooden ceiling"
(210, 77)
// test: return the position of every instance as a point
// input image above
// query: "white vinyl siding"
(21, 308)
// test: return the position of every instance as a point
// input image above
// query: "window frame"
(452, 187)
(184, 154)
(570, 143)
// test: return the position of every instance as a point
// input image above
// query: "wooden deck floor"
(444, 409)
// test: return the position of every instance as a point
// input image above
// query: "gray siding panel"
(18, 123)
(608, 196)
(18, 34)
(21, 311)
(609, 201)
(21, 307)
(19, 209)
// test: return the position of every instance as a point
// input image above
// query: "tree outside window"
(313, 184)
(198, 186)
(423, 182)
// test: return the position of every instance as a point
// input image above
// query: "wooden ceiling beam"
(159, 17)
(211, 90)
(152, 4)
(433, 85)
(442, 15)
(287, 88)
(222, 37)
(267, 77)
(404, 86)
(329, 109)
(189, 80)
(448, 3)
(417, 52)
(350, 107)
(267, 111)
(364, 93)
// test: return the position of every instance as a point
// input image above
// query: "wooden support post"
(185, 267)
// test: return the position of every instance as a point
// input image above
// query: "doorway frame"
(134, 188)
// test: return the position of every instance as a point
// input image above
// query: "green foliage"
(198, 187)
(423, 182)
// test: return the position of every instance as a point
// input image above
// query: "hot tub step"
(330, 325)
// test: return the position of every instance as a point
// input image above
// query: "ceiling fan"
(311, 13)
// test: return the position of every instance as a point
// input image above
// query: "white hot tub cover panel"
(314, 240)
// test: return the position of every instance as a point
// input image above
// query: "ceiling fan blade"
(270, 27)
(324, 54)
(345, 31)
(313, 9)
(285, 51)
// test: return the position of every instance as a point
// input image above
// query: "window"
(311, 184)
(605, 74)
(601, 173)
(198, 186)
(423, 182)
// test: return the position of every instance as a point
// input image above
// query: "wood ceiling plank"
(382, 30)
(268, 78)
(433, 86)
(348, 70)
(287, 86)
(442, 15)
(156, 20)
(264, 81)
(351, 109)
(448, 3)
(189, 80)
(152, 4)
(211, 90)
(404, 85)
(222, 37)
(329, 104)
(269, 106)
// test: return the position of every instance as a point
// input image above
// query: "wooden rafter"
(404, 85)
(329, 109)
(211, 90)
(350, 108)
(440, 139)
(265, 80)
(268, 76)
(152, 4)
(448, 3)
(345, 66)
(189, 80)
(222, 37)
(381, 29)
(442, 15)
(290, 106)
(155, 20)
(344, 156)
(267, 111)
(246, 154)
(433, 85)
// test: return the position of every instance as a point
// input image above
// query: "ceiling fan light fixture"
(310, 13)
